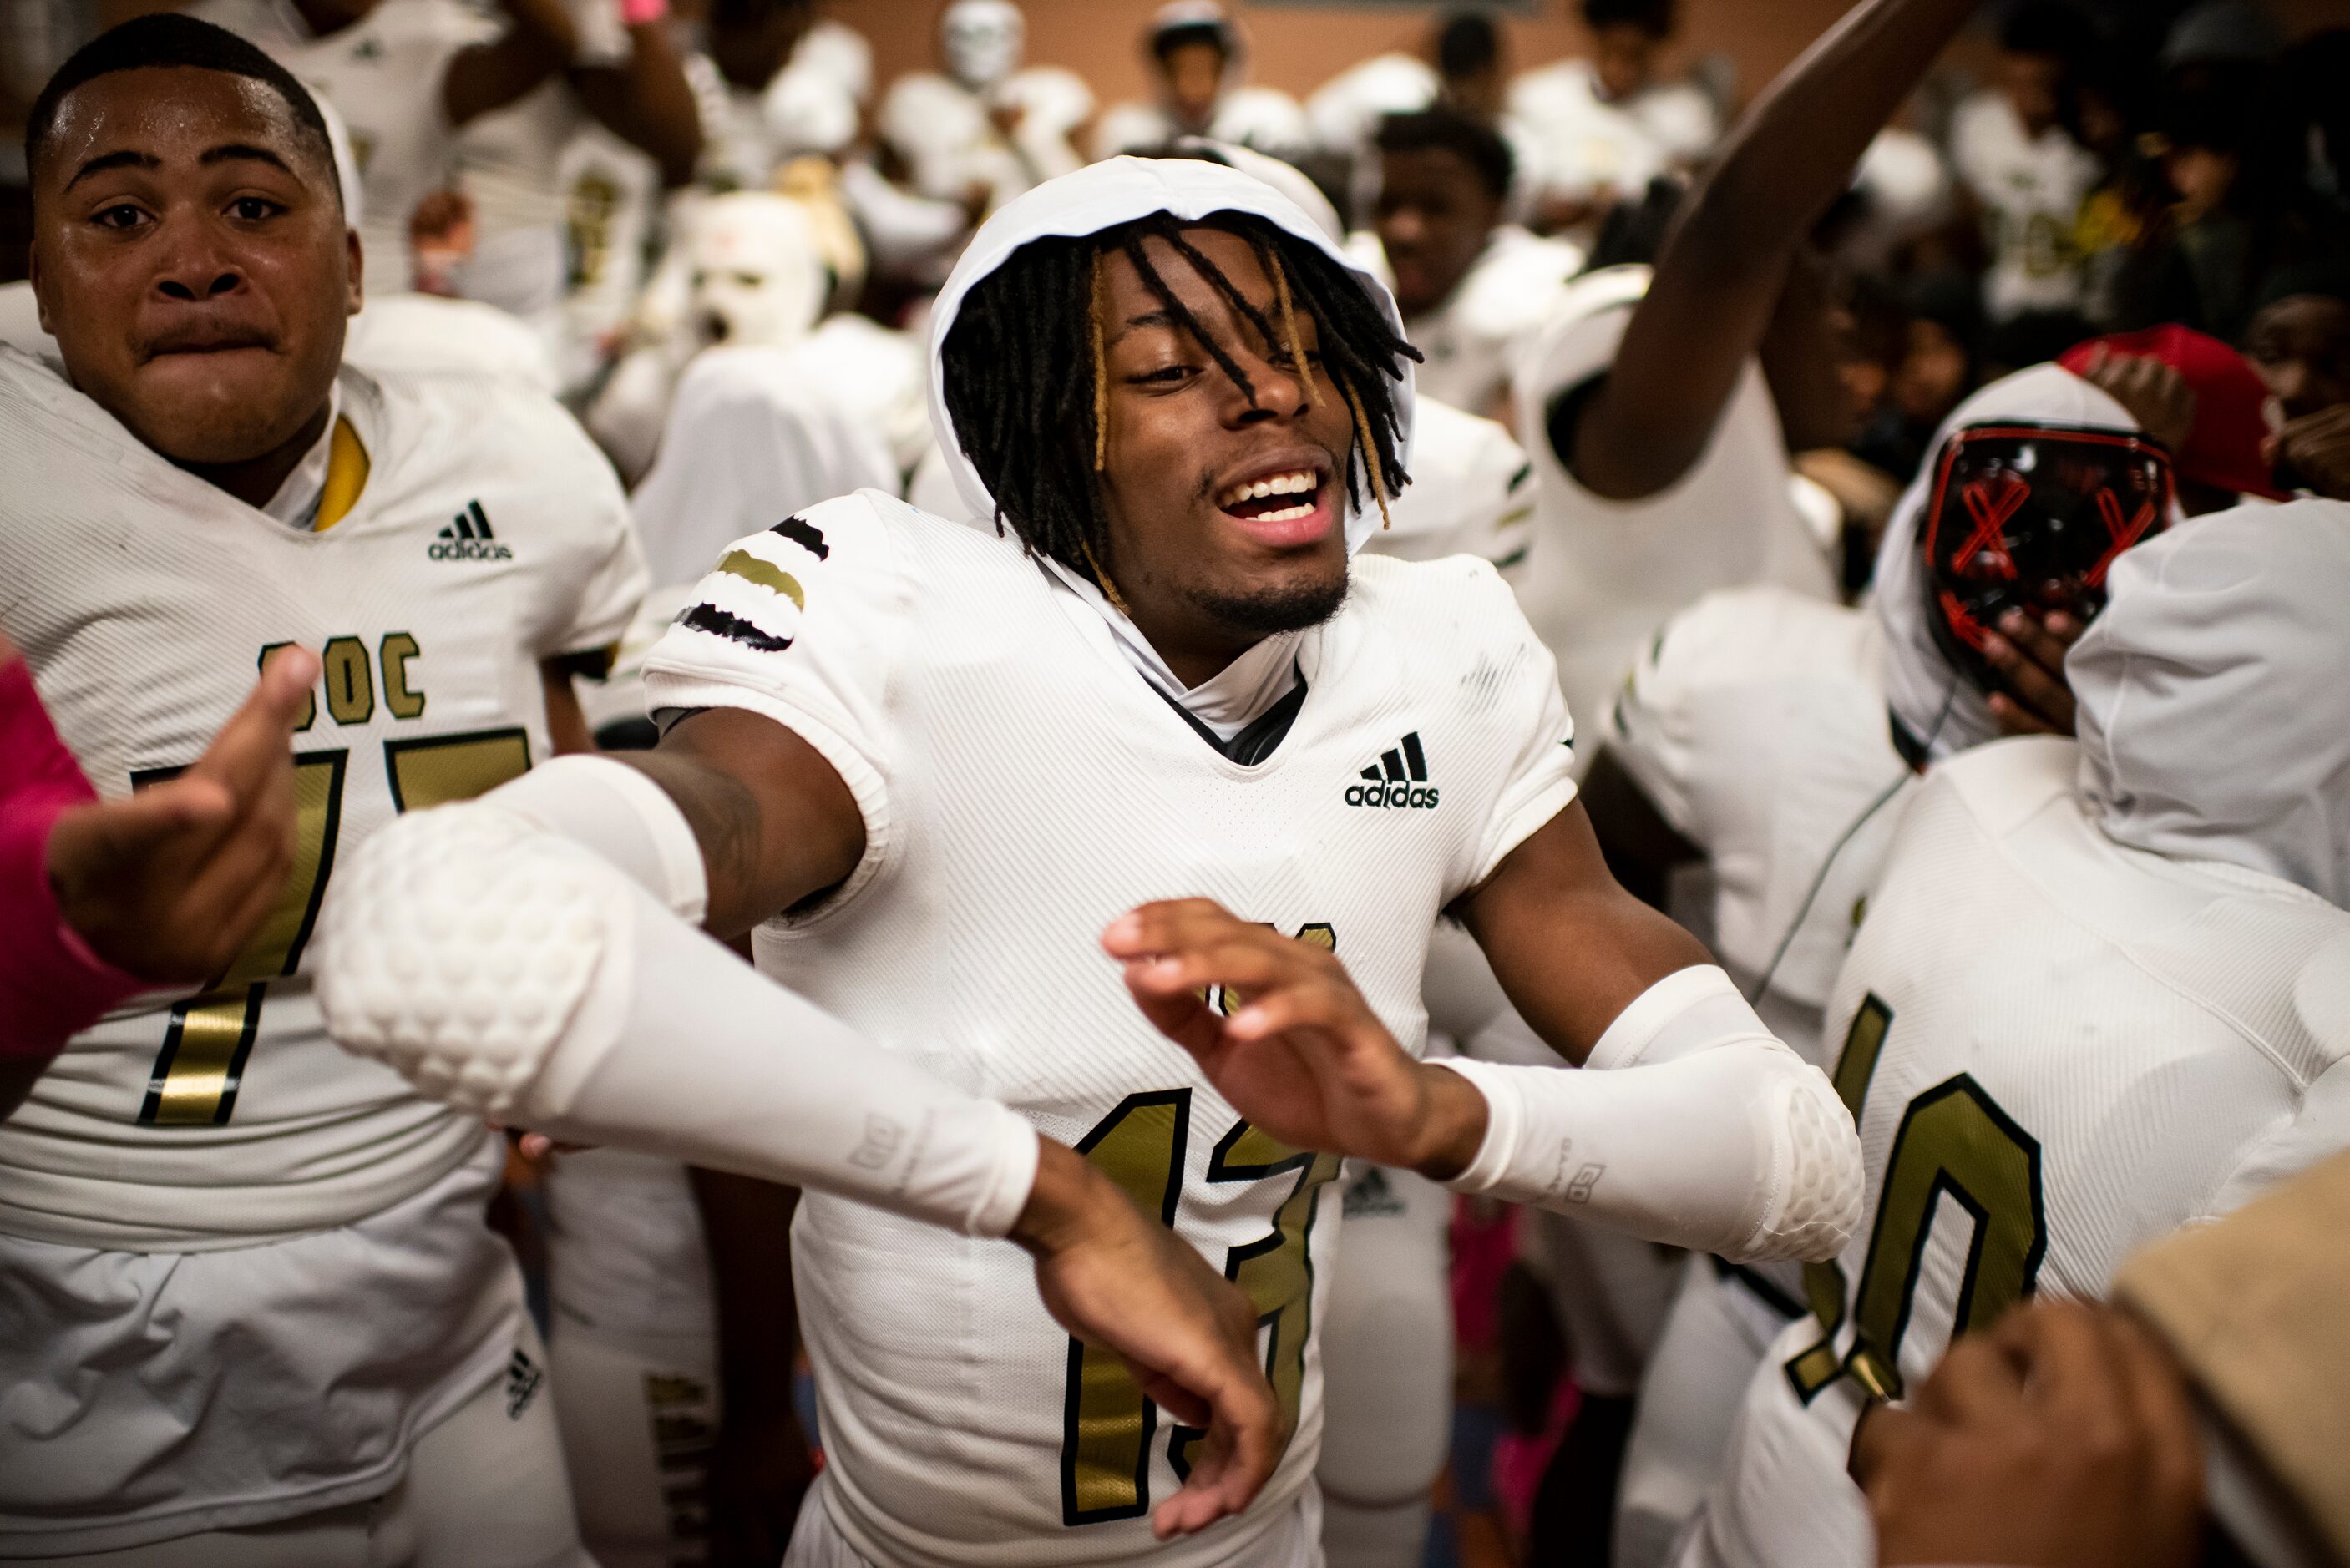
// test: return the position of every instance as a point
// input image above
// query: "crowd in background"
(587, 195)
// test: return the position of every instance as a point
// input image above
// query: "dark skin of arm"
(760, 1468)
(646, 102)
(1721, 291)
(537, 44)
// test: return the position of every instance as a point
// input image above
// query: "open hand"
(1120, 1280)
(1302, 1055)
(169, 883)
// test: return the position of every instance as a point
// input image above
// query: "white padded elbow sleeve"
(1691, 1126)
(610, 808)
(504, 971)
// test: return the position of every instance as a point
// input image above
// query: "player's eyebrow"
(126, 159)
(1148, 318)
(242, 151)
(1165, 318)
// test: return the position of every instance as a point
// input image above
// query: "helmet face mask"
(2031, 517)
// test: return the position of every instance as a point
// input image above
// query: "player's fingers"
(2029, 683)
(2035, 636)
(1170, 924)
(257, 739)
(1889, 1438)
(1978, 1382)
(1183, 1017)
(1332, 1011)
(1229, 960)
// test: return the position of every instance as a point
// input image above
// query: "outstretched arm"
(1692, 1126)
(526, 957)
(1725, 264)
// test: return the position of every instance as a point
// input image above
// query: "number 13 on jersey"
(1107, 1426)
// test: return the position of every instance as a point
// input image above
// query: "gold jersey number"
(1107, 1424)
(1954, 1142)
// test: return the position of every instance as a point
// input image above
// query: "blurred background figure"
(1199, 58)
(985, 128)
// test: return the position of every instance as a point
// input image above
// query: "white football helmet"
(984, 41)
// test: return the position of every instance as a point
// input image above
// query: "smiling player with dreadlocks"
(943, 768)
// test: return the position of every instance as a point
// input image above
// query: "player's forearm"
(508, 972)
(537, 43)
(1691, 1126)
(1724, 266)
(647, 102)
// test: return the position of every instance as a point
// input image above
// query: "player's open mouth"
(1288, 506)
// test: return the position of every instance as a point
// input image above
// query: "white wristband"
(617, 812)
(506, 970)
(1692, 1126)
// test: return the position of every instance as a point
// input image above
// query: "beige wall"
(1297, 50)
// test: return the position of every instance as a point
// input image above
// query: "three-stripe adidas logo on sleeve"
(1397, 781)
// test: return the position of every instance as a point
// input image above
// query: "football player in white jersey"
(1198, 55)
(346, 1372)
(1781, 738)
(1472, 287)
(939, 767)
(195, 484)
(2096, 996)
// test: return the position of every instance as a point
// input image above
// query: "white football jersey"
(1606, 574)
(383, 74)
(1508, 293)
(1022, 785)
(2031, 190)
(1755, 723)
(2057, 1048)
(488, 534)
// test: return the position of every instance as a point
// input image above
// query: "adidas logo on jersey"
(469, 539)
(1397, 781)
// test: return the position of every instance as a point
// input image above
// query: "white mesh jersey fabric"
(1755, 722)
(489, 536)
(1023, 786)
(1607, 573)
(383, 75)
(2081, 1046)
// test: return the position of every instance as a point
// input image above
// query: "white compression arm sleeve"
(1690, 1124)
(611, 808)
(507, 972)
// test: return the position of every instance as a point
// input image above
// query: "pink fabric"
(51, 984)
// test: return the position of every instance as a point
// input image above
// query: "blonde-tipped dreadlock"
(1297, 344)
(1100, 312)
(1370, 457)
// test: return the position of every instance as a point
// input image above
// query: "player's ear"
(33, 276)
(357, 265)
